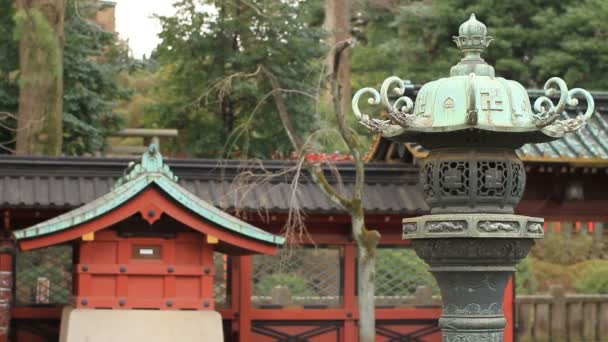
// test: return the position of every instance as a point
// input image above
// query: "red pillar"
(244, 301)
(6, 290)
(509, 308)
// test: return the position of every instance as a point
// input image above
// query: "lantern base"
(472, 274)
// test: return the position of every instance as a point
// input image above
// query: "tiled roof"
(65, 183)
(151, 172)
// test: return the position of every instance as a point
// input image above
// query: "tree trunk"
(228, 118)
(337, 23)
(366, 265)
(40, 116)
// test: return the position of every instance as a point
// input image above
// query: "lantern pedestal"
(472, 275)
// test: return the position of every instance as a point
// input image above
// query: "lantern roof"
(473, 107)
(149, 188)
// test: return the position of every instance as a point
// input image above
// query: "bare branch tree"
(367, 240)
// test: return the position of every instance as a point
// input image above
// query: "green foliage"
(297, 285)
(9, 63)
(93, 59)
(594, 280)
(534, 40)
(212, 89)
(548, 273)
(525, 282)
(563, 249)
(399, 272)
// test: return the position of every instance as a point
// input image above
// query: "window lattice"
(309, 277)
(44, 277)
(402, 278)
(454, 178)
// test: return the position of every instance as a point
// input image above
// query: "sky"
(135, 24)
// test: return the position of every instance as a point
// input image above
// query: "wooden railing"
(558, 316)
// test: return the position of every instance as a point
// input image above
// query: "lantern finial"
(472, 40)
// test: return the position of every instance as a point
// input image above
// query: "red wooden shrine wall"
(145, 272)
(107, 285)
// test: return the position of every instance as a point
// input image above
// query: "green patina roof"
(151, 170)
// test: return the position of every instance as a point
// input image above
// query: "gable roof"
(151, 172)
(586, 147)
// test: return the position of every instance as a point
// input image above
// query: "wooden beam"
(146, 132)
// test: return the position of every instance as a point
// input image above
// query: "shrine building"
(84, 234)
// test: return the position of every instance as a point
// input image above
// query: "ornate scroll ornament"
(474, 309)
(446, 226)
(535, 228)
(409, 228)
(488, 226)
(495, 336)
(546, 113)
(399, 111)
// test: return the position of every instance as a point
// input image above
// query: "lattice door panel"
(403, 279)
(309, 277)
(304, 331)
(44, 276)
(408, 330)
(221, 285)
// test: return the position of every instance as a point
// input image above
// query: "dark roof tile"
(63, 182)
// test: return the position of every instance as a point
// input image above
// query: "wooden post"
(541, 327)
(567, 228)
(584, 227)
(603, 321)
(597, 231)
(525, 320)
(589, 321)
(575, 321)
(558, 313)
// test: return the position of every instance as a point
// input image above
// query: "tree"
(531, 44)
(93, 60)
(337, 24)
(39, 27)
(9, 90)
(367, 239)
(209, 58)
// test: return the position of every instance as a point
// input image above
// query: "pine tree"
(211, 56)
(533, 40)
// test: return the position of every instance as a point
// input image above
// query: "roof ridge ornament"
(151, 162)
(472, 102)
